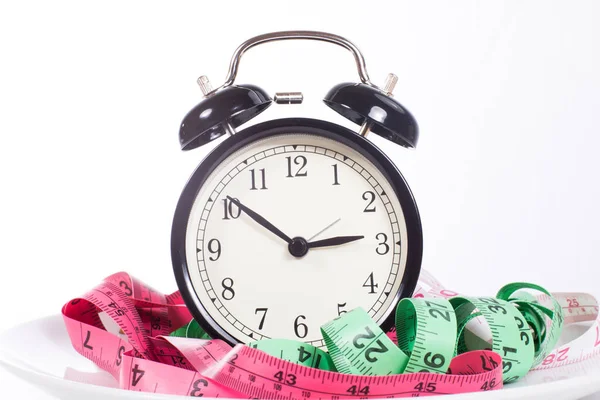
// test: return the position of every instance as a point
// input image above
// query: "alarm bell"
(375, 110)
(221, 112)
(364, 103)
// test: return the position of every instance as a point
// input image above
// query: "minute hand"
(260, 219)
(334, 241)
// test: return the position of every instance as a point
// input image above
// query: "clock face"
(251, 282)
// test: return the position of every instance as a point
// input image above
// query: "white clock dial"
(309, 187)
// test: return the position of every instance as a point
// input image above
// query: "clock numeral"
(214, 247)
(228, 292)
(370, 283)
(340, 306)
(370, 197)
(230, 209)
(263, 179)
(335, 175)
(300, 326)
(298, 160)
(383, 247)
(262, 320)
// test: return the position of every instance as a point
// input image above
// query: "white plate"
(40, 352)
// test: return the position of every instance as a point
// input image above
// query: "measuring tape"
(442, 343)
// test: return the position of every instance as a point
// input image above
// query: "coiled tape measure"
(432, 354)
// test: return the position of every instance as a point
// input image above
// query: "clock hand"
(334, 241)
(260, 219)
(324, 229)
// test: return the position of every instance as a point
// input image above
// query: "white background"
(92, 93)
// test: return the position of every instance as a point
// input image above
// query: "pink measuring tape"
(142, 357)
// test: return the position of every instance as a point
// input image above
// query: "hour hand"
(260, 219)
(334, 241)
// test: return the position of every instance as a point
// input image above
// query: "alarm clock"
(289, 223)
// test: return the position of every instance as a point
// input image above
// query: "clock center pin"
(298, 247)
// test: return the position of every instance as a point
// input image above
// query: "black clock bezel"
(281, 127)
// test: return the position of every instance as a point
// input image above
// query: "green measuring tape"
(191, 330)
(430, 333)
(423, 325)
(358, 346)
(512, 338)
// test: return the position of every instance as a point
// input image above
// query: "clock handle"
(287, 35)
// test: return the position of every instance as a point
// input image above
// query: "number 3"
(197, 389)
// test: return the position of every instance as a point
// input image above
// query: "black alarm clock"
(292, 222)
